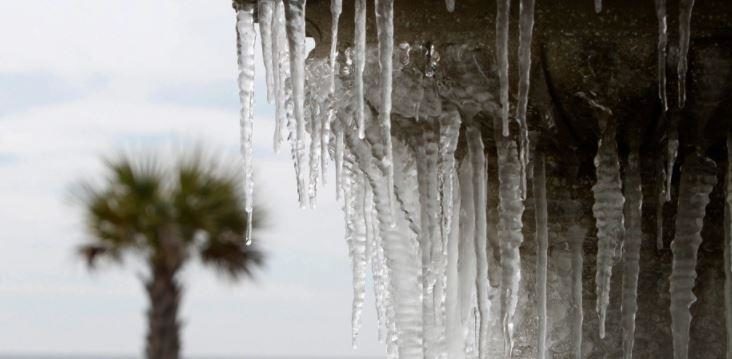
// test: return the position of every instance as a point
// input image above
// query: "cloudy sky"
(84, 78)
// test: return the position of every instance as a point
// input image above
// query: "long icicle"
(542, 246)
(354, 210)
(503, 12)
(608, 212)
(478, 161)
(385, 33)
(698, 177)
(526, 28)
(467, 256)
(576, 235)
(661, 49)
(295, 18)
(728, 246)
(672, 151)
(246, 38)
(265, 14)
(280, 72)
(685, 8)
(453, 323)
(660, 201)
(336, 7)
(359, 62)
(598, 6)
(631, 247)
(511, 209)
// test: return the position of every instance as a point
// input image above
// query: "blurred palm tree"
(168, 215)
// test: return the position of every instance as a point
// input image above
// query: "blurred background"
(80, 79)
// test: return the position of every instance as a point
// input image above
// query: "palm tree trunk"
(163, 336)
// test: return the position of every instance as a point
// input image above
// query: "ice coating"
(503, 12)
(295, 20)
(631, 247)
(576, 237)
(661, 48)
(698, 177)
(478, 163)
(511, 209)
(685, 8)
(359, 60)
(246, 38)
(608, 212)
(265, 14)
(526, 28)
(542, 246)
(385, 34)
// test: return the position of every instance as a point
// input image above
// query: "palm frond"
(229, 254)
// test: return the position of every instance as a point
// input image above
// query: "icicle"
(280, 71)
(672, 148)
(354, 209)
(576, 236)
(314, 123)
(429, 237)
(336, 6)
(685, 7)
(295, 17)
(631, 247)
(359, 60)
(450, 4)
(385, 33)
(339, 161)
(598, 6)
(526, 28)
(661, 49)
(728, 247)
(246, 37)
(542, 246)
(698, 177)
(503, 12)
(467, 256)
(478, 160)
(660, 200)
(264, 16)
(510, 210)
(453, 311)
(608, 212)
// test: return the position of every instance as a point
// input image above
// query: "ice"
(685, 8)
(336, 7)
(265, 14)
(467, 257)
(385, 33)
(510, 210)
(698, 177)
(355, 211)
(576, 238)
(453, 311)
(661, 49)
(526, 28)
(246, 37)
(295, 19)
(359, 60)
(280, 71)
(631, 247)
(450, 5)
(608, 212)
(478, 162)
(503, 12)
(660, 201)
(431, 249)
(542, 246)
(598, 6)
(339, 147)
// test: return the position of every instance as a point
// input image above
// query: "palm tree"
(168, 215)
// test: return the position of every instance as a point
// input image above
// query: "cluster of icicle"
(417, 220)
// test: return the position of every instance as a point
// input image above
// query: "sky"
(84, 78)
